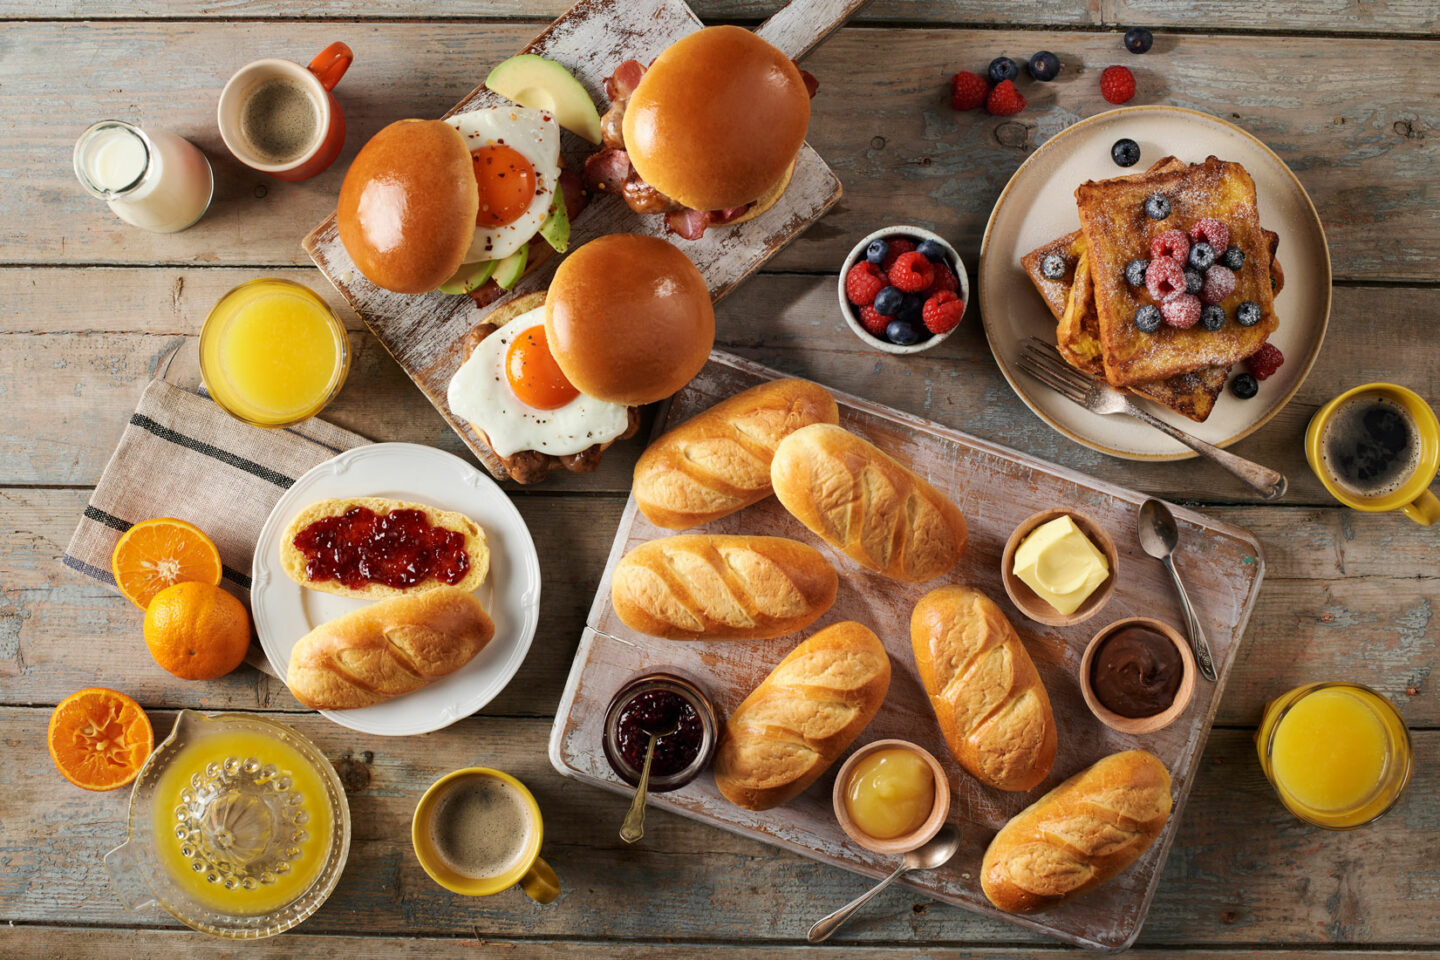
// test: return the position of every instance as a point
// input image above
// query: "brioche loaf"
(714, 587)
(293, 560)
(387, 649)
(867, 504)
(1078, 835)
(802, 716)
(718, 462)
(987, 695)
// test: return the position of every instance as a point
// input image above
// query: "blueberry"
(1194, 280)
(877, 252)
(931, 250)
(1202, 256)
(1052, 267)
(1157, 207)
(1245, 386)
(1233, 257)
(1248, 313)
(1125, 152)
(1138, 40)
(1212, 316)
(1044, 66)
(888, 300)
(912, 308)
(1135, 271)
(903, 332)
(1148, 319)
(1003, 68)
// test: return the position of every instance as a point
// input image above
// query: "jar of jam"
(660, 701)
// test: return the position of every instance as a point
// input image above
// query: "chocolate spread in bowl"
(1136, 672)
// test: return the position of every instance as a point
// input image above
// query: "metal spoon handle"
(1192, 626)
(634, 826)
(1270, 484)
(827, 925)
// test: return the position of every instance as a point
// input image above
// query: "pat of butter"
(1060, 564)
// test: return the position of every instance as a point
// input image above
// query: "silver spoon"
(1159, 536)
(634, 826)
(933, 854)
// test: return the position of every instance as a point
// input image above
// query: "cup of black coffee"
(1377, 448)
(280, 118)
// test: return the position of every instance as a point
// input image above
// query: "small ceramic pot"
(851, 312)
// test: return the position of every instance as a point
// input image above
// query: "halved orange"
(160, 553)
(99, 738)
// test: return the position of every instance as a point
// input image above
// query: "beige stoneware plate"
(1038, 205)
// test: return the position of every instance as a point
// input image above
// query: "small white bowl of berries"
(903, 289)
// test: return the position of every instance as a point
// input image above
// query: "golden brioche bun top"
(629, 319)
(408, 205)
(717, 119)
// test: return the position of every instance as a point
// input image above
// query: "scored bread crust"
(476, 546)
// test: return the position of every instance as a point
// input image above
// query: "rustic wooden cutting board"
(995, 488)
(426, 333)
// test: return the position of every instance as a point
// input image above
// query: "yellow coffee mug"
(1414, 497)
(534, 875)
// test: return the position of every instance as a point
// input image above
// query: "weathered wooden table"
(1345, 92)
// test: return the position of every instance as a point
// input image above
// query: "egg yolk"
(506, 181)
(533, 373)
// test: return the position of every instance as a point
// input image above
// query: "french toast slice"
(1117, 230)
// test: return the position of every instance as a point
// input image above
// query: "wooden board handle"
(800, 25)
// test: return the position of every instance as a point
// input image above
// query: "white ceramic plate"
(1038, 205)
(284, 611)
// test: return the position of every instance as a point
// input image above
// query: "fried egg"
(512, 389)
(516, 155)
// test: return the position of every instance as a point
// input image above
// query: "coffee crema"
(480, 827)
(1371, 446)
(280, 120)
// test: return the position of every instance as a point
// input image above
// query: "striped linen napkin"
(182, 456)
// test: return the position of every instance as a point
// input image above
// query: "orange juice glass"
(273, 353)
(1337, 754)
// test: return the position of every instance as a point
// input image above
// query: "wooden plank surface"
(1340, 111)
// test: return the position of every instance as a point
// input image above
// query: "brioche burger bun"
(408, 206)
(718, 120)
(628, 319)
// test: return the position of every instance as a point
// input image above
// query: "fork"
(1042, 361)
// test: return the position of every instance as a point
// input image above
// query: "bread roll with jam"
(987, 695)
(865, 503)
(1077, 836)
(718, 461)
(800, 719)
(715, 587)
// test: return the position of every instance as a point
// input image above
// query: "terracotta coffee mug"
(317, 80)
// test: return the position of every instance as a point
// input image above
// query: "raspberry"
(898, 246)
(967, 90)
(1004, 100)
(1213, 232)
(1181, 311)
(873, 322)
(1164, 277)
(1265, 361)
(1117, 84)
(862, 283)
(943, 311)
(945, 279)
(1219, 284)
(1172, 244)
(912, 272)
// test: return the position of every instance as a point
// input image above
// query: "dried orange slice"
(99, 738)
(160, 553)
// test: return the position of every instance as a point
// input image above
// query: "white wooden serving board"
(426, 333)
(995, 488)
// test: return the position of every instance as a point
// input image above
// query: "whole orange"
(196, 631)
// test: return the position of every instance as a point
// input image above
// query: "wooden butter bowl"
(1030, 603)
(905, 842)
(1140, 725)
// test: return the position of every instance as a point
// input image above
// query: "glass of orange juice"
(1338, 754)
(273, 353)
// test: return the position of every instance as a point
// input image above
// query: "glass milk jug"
(158, 182)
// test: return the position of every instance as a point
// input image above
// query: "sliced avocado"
(509, 271)
(532, 81)
(556, 228)
(470, 276)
